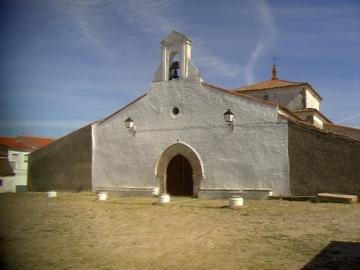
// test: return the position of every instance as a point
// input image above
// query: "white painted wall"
(18, 161)
(8, 184)
(254, 155)
(311, 100)
(292, 98)
(318, 122)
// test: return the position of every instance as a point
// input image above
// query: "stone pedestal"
(51, 194)
(164, 199)
(102, 196)
(236, 202)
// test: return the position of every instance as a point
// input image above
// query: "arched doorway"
(179, 181)
(193, 160)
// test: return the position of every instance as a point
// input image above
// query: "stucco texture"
(292, 98)
(62, 165)
(322, 162)
(251, 156)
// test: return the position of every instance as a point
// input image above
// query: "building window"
(309, 118)
(1, 182)
(174, 73)
(15, 157)
(266, 97)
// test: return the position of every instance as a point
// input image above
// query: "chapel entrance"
(179, 177)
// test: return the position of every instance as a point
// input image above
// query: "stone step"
(293, 198)
(338, 198)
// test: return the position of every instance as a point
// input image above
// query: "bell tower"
(175, 46)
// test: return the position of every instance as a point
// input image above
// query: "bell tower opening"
(175, 56)
(176, 61)
(174, 67)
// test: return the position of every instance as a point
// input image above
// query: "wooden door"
(179, 177)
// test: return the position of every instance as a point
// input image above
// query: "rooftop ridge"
(268, 84)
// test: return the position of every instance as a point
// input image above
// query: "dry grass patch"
(73, 231)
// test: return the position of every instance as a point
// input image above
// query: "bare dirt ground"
(73, 231)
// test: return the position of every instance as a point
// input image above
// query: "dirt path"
(73, 231)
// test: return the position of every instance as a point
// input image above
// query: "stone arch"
(190, 154)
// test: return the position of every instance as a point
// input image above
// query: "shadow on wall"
(336, 256)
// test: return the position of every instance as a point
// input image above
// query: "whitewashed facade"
(19, 164)
(186, 116)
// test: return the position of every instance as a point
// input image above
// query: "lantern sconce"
(130, 125)
(229, 119)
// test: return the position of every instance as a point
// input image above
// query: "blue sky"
(67, 63)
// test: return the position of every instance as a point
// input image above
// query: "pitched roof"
(313, 111)
(175, 36)
(269, 84)
(24, 143)
(36, 141)
(274, 84)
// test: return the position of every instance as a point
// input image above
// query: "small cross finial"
(274, 70)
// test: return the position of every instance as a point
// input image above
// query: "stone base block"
(338, 198)
(236, 202)
(293, 198)
(136, 192)
(252, 194)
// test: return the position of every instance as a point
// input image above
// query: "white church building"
(190, 138)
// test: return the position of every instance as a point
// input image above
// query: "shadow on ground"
(336, 256)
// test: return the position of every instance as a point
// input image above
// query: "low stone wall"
(62, 165)
(322, 162)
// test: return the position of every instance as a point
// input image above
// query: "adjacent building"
(14, 155)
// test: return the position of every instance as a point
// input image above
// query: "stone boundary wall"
(321, 161)
(62, 165)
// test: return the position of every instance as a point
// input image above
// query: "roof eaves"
(116, 112)
(289, 113)
(313, 110)
(240, 95)
(244, 90)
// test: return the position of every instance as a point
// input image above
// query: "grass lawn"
(74, 231)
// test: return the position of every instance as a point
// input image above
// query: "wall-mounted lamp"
(229, 118)
(130, 125)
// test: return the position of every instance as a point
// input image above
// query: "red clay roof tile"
(24, 143)
(274, 84)
(269, 84)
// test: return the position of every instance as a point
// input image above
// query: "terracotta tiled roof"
(36, 141)
(24, 143)
(273, 84)
(269, 84)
